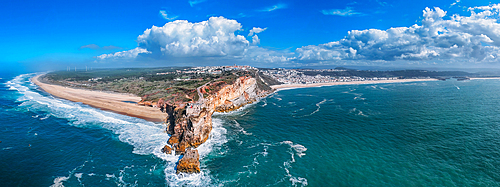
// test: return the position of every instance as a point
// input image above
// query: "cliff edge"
(190, 125)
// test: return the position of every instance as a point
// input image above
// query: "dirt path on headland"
(116, 102)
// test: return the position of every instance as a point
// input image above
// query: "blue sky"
(56, 34)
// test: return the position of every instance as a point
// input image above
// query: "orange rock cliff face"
(190, 126)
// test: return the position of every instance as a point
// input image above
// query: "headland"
(184, 99)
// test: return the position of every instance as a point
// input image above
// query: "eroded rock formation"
(190, 126)
(167, 149)
(190, 162)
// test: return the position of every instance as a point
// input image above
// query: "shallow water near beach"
(403, 134)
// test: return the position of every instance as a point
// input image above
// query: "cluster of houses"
(208, 70)
(291, 76)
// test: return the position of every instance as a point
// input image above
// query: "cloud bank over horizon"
(439, 39)
(460, 39)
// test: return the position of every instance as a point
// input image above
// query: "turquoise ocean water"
(436, 133)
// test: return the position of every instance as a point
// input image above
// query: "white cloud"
(255, 40)
(214, 38)
(256, 30)
(274, 7)
(164, 15)
(124, 54)
(454, 3)
(194, 2)
(459, 38)
(437, 38)
(348, 11)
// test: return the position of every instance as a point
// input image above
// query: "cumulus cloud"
(438, 37)
(348, 11)
(256, 30)
(274, 7)
(214, 38)
(472, 38)
(164, 15)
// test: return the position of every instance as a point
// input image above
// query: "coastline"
(115, 102)
(485, 78)
(121, 103)
(292, 86)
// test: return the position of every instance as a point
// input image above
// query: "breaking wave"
(146, 137)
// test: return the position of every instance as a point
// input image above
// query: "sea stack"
(189, 163)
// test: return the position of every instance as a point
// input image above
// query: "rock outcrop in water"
(167, 149)
(189, 163)
(190, 125)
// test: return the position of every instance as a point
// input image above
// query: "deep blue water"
(405, 134)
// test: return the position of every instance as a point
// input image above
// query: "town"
(208, 70)
(292, 76)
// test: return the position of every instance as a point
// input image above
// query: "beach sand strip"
(115, 102)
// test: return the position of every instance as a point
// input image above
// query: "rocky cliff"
(190, 125)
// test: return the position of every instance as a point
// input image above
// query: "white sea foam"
(300, 151)
(240, 129)
(318, 107)
(245, 113)
(357, 112)
(78, 175)
(297, 180)
(44, 118)
(216, 140)
(146, 137)
(58, 182)
(265, 103)
(359, 98)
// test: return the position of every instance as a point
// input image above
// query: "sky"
(54, 35)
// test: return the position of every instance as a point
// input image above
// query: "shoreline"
(293, 86)
(484, 78)
(114, 102)
(124, 103)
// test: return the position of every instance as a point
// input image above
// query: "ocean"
(436, 133)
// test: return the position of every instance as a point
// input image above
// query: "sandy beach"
(116, 102)
(288, 86)
(485, 78)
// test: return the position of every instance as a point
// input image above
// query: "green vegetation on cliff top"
(174, 84)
